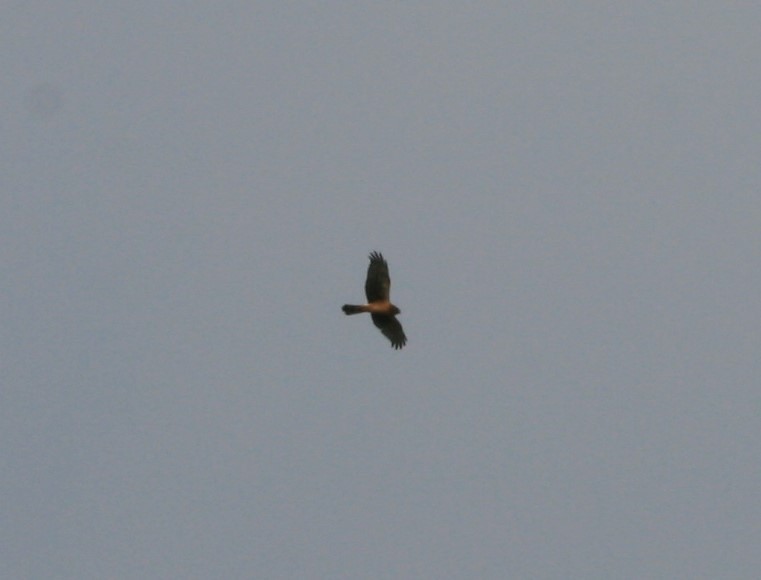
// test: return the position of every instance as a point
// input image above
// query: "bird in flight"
(383, 313)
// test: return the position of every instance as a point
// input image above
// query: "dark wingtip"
(376, 256)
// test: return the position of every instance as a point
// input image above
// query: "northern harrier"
(377, 288)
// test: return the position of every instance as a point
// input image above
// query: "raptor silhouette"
(383, 313)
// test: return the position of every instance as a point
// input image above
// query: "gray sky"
(569, 197)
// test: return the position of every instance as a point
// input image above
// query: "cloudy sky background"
(569, 197)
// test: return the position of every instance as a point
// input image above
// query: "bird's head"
(395, 310)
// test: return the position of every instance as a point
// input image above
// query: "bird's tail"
(353, 309)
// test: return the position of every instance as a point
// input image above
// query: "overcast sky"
(569, 199)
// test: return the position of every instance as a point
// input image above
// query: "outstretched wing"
(378, 283)
(391, 329)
